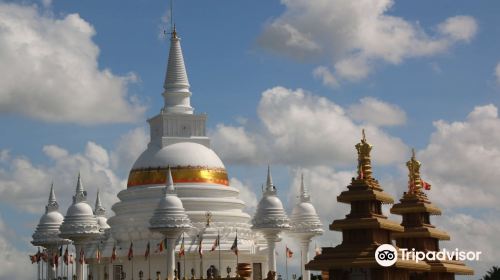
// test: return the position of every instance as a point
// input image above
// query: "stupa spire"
(169, 187)
(52, 204)
(176, 86)
(80, 194)
(304, 193)
(270, 188)
(99, 210)
(364, 160)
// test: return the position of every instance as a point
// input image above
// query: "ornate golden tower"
(363, 230)
(419, 233)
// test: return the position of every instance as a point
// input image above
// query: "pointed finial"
(413, 153)
(52, 195)
(169, 186)
(269, 181)
(99, 209)
(52, 204)
(364, 160)
(304, 194)
(174, 32)
(81, 194)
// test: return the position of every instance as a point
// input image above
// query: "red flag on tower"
(130, 252)
(426, 185)
(289, 253)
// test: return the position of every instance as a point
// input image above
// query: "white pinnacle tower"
(270, 219)
(80, 225)
(171, 220)
(305, 225)
(47, 231)
(176, 94)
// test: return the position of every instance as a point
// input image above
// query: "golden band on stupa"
(180, 174)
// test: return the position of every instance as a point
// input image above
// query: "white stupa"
(80, 226)
(270, 219)
(171, 220)
(47, 232)
(305, 225)
(178, 140)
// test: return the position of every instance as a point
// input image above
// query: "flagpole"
(42, 268)
(184, 256)
(286, 261)
(38, 263)
(237, 253)
(149, 262)
(218, 241)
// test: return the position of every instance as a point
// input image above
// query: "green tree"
(492, 274)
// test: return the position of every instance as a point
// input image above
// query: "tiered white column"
(80, 225)
(305, 225)
(47, 231)
(270, 219)
(171, 220)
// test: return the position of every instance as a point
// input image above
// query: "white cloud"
(327, 78)
(128, 149)
(459, 28)
(299, 128)
(14, 264)
(246, 194)
(227, 139)
(463, 158)
(25, 185)
(373, 111)
(497, 73)
(355, 35)
(51, 72)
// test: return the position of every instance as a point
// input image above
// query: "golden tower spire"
(364, 161)
(414, 180)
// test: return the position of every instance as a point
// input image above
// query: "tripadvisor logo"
(387, 255)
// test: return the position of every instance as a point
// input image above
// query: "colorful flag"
(113, 254)
(234, 247)
(33, 258)
(426, 185)
(98, 255)
(66, 256)
(216, 243)
(160, 246)
(289, 253)
(200, 247)
(56, 260)
(146, 254)
(44, 256)
(82, 257)
(130, 252)
(317, 250)
(182, 251)
(38, 255)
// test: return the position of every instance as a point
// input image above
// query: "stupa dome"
(80, 209)
(304, 218)
(179, 154)
(190, 163)
(54, 218)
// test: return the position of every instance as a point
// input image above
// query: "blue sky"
(228, 49)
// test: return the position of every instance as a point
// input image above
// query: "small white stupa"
(80, 225)
(305, 225)
(171, 220)
(270, 219)
(47, 231)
